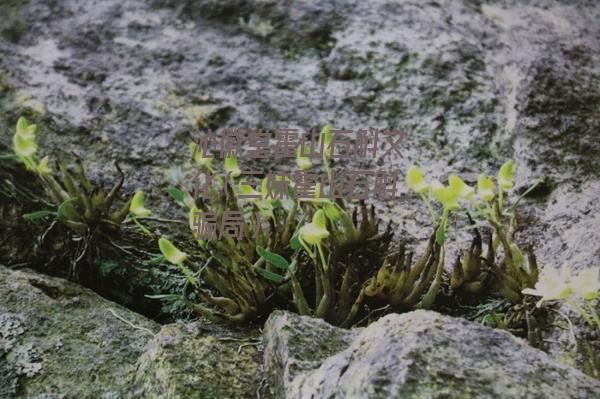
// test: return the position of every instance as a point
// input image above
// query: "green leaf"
(39, 215)
(270, 275)
(67, 211)
(176, 193)
(273, 258)
(295, 241)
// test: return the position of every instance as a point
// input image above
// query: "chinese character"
(390, 135)
(232, 224)
(339, 184)
(383, 181)
(358, 189)
(247, 191)
(204, 189)
(277, 185)
(259, 139)
(206, 225)
(305, 184)
(287, 142)
(361, 145)
(203, 145)
(231, 142)
(309, 151)
(337, 139)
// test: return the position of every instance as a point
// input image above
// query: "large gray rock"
(193, 361)
(61, 340)
(420, 354)
(294, 344)
(472, 83)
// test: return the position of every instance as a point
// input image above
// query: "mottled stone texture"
(420, 354)
(187, 361)
(57, 338)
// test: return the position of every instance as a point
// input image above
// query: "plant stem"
(432, 213)
(141, 226)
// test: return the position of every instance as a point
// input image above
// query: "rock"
(61, 340)
(420, 354)
(295, 344)
(190, 361)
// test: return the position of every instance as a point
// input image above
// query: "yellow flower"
(485, 188)
(249, 190)
(462, 189)
(415, 180)
(137, 205)
(316, 231)
(587, 283)
(303, 163)
(24, 143)
(43, 168)
(231, 166)
(552, 285)
(171, 253)
(505, 175)
(445, 195)
(198, 156)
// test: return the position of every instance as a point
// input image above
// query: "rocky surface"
(471, 82)
(420, 354)
(63, 341)
(58, 340)
(291, 348)
(193, 361)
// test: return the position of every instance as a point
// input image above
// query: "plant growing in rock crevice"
(85, 209)
(503, 268)
(313, 255)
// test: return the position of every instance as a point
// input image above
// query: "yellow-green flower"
(199, 157)
(303, 163)
(505, 175)
(551, 285)
(316, 231)
(458, 186)
(231, 166)
(42, 167)
(137, 205)
(415, 180)
(171, 253)
(24, 143)
(249, 190)
(485, 188)
(445, 195)
(587, 283)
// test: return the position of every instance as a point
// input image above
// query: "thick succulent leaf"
(270, 275)
(273, 258)
(176, 194)
(39, 215)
